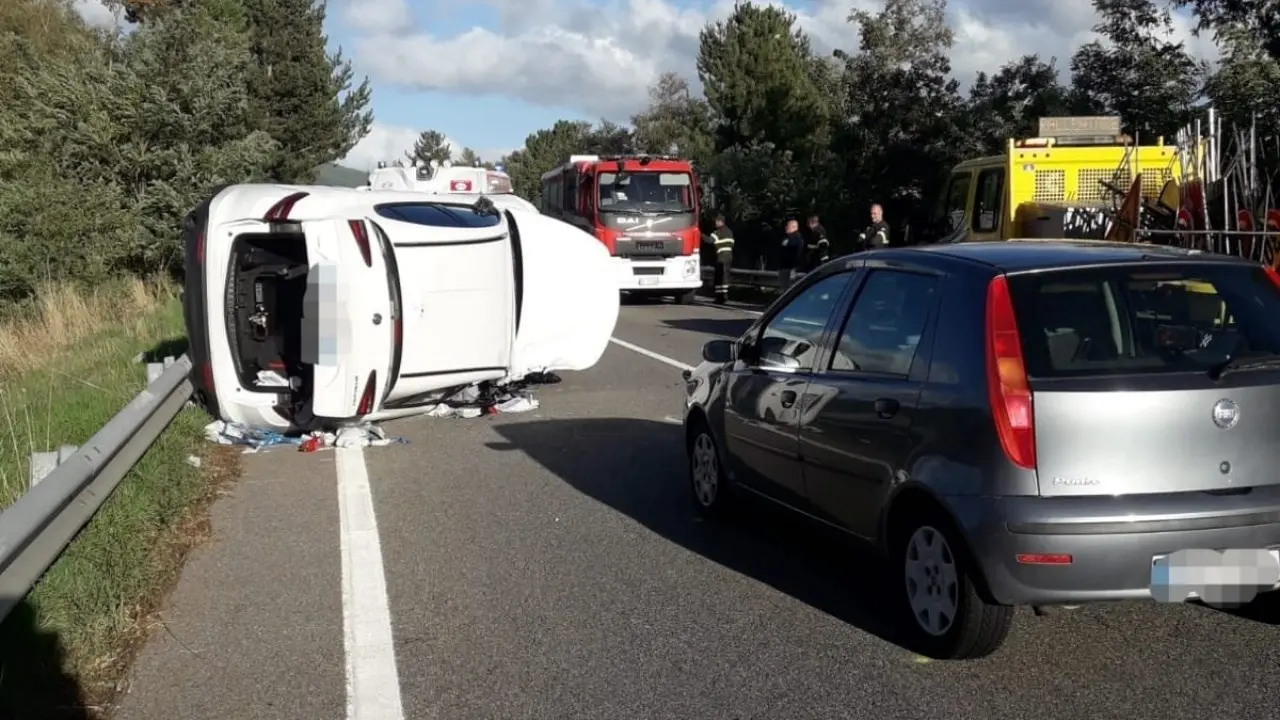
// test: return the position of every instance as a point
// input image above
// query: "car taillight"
(362, 239)
(1007, 378)
(280, 211)
(366, 400)
(1272, 275)
(200, 248)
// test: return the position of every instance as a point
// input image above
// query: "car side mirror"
(718, 351)
(778, 361)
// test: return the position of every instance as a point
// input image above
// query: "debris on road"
(488, 399)
(257, 439)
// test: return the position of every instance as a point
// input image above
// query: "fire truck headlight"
(690, 267)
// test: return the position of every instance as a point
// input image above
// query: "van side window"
(957, 199)
(988, 200)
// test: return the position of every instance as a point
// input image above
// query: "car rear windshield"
(1143, 319)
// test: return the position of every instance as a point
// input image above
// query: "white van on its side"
(312, 306)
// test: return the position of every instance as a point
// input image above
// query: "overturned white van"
(312, 307)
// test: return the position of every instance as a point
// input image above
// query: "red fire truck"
(644, 208)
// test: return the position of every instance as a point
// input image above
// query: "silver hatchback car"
(1037, 423)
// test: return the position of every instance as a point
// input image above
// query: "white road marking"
(373, 683)
(650, 354)
(737, 308)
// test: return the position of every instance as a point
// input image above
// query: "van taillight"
(366, 400)
(1007, 378)
(200, 248)
(280, 211)
(362, 239)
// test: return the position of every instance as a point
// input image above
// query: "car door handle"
(886, 408)
(788, 398)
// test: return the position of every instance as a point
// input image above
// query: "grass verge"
(65, 369)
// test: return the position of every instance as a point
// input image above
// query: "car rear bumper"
(1111, 540)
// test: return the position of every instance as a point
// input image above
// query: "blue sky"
(492, 123)
(486, 73)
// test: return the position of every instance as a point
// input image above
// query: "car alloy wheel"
(704, 464)
(933, 587)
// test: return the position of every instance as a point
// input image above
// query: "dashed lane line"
(651, 354)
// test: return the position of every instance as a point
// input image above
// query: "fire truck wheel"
(684, 298)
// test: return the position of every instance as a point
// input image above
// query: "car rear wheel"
(706, 473)
(949, 619)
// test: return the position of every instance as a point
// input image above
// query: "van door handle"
(886, 408)
(788, 398)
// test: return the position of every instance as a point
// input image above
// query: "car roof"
(1018, 255)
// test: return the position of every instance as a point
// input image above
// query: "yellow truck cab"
(1065, 183)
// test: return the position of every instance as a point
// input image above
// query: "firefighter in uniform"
(722, 240)
(877, 233)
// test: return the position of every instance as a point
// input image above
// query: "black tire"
(702, 448)
(685, 298)
(977, 628)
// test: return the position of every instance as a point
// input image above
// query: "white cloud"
(387, 17)
(386, 142)
(96, 14)
(599, 56)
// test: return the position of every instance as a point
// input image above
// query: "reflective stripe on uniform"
(722, 244)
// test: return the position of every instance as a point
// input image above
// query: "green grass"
(65, 646)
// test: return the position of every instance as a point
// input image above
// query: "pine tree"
(301, 95)
(430, 145)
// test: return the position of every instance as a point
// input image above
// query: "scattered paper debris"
(485, 399)
(518, 404)
(257, 439)
(194, 461)
(271, 378)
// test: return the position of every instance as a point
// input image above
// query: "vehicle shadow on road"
(1264, 609)
(724, 327)
(638, 468)
(33, 683)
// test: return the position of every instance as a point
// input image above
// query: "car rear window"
(1151, 318)
(438, 215)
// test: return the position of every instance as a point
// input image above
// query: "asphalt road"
(549, 565)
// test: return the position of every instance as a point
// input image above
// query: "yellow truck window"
(957, 200)
(987, 202)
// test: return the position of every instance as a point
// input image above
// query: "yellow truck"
(1066, 183)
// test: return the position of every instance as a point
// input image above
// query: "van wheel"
(707, 481)
(947, 617)
(685, 298)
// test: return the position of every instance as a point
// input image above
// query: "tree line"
(108, 138)
(782, 130)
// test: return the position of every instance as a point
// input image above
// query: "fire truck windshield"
(649, 192)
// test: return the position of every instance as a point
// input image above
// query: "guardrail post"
(43, 463)
(155, 369)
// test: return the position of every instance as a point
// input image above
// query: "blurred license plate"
(649, 280)
(1214, 576)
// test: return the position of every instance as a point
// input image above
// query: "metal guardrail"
(38, 527)
(745, 278)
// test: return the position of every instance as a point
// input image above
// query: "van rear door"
(1156, 377)
(349, 318)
